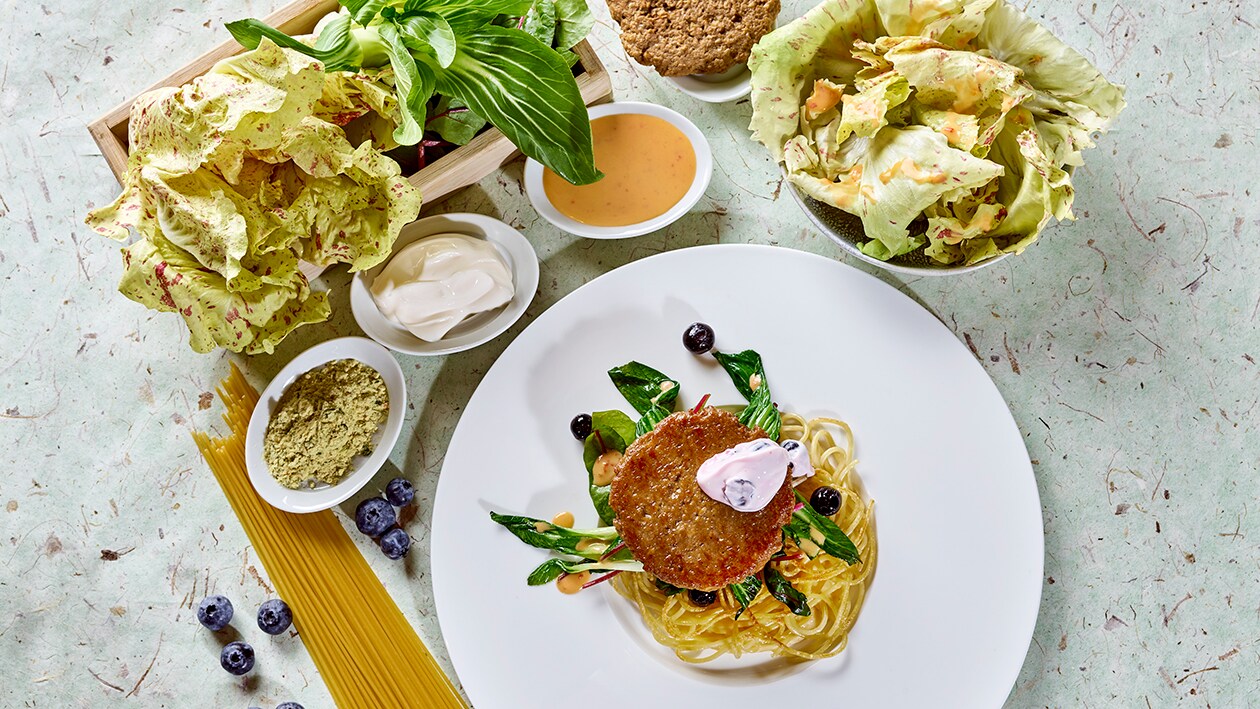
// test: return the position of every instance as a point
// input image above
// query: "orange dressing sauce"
(648, 166)
(564, 519)
(604, 469)
(572, 583)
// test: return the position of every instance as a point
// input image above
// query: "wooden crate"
(455, 170)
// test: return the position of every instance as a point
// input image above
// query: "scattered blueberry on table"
(237, 657)
(215, 612)
(289, 705)
(274, 616)
(399, 492)
(396, 543)
(374, 516)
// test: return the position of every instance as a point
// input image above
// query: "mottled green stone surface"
(1126, 344)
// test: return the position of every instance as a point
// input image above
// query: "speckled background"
(1125, 342)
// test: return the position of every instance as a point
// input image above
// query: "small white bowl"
(308, 499)
(704, 171)
(480, 328)
(731, 85)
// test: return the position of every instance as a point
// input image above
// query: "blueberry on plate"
(702, 598)
(215, 612)
(581, 426)
(825, 501)
(698, 338)
(237, 657)
(399, 492)
(289, 705)
(396, 543)
(373, 516)
(274, 616)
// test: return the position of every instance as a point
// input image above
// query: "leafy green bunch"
(508, 61)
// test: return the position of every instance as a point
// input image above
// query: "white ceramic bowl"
(846, 230)
(730, 85)
(480, 328)
(321, 497)
(704, 170)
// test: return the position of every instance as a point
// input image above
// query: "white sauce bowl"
(324, 496)
(704, 170)
(730, 85)
(477, 329)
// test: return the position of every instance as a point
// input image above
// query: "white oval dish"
(961, 630)
(306, 499)
(730, 85)
(704, 171)
(479, 328)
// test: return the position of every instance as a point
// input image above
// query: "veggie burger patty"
(682, 536)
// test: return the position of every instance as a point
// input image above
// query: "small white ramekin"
(704, 171)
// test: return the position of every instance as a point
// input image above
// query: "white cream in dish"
(433, 284)
(745, 477)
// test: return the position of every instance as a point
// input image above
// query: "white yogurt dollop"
(433, 284)
(745, 477)
(798, 456)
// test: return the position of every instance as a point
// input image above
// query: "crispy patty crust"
(681, 37)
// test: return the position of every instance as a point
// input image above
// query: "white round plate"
(704, 171)
(478, 329)
(951, 609)
(731, 85)
(321, 497)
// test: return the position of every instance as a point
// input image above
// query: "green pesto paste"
(324, 420)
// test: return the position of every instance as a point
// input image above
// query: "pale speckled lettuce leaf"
(896, 175)
(972, 88)
(363, 104)
(165, 278)
(234, 177)
(786, 62)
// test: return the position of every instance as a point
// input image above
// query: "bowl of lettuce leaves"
(927, 138)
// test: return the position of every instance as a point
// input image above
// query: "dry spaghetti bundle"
(365, 650)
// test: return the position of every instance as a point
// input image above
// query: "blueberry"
(237, 657)
(289, 705)
(396, 543)
(698, 338)
(702, 598)
(825, 501)
(215, 612)
(274, 616)
(373, 516)
(580, 426)
(399, 492)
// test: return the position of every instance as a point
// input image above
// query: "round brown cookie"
(681, 37)
(683, 536)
